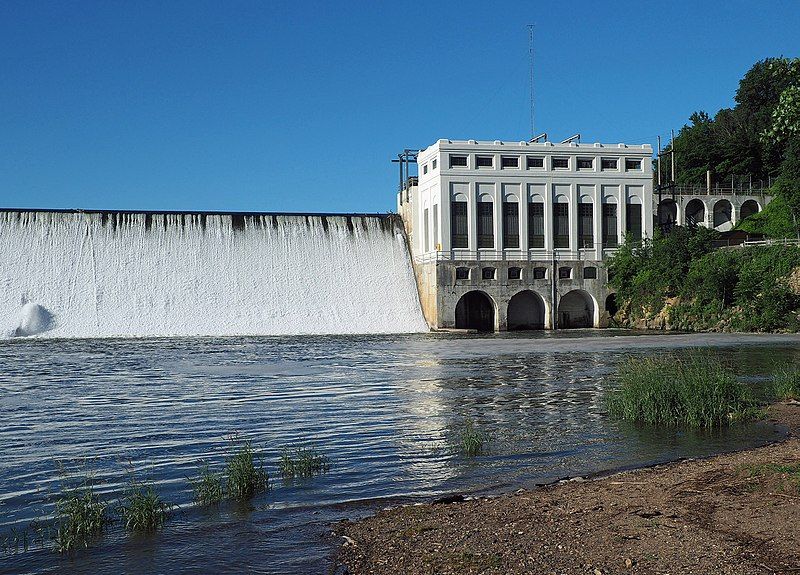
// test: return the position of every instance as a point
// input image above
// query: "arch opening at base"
(526, 311)
(667, 213)
(749, 208)
(475, 310)
(576, 309)
(723, 216)
(695, 213)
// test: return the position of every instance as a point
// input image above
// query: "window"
(561, 163)
(564, 273)
(585, 163)
(435, 226)
(561, 225)
(485, 224)
(585, 225)
(514, 273)
(425, 168)
(458, 225)
(535, 225)
(462, 273)
(509, 162)
(484, 161)
(458, 161)
(433, 164)
(590, 273)
(633, 221)
(632, 164)
(610, 226)
(510, 225)
(488, 273)
(535, 162)
(539, 273)
(426, 225)
(608, 164)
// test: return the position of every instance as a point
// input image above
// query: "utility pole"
(530, 66)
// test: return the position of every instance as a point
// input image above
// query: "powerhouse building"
(513, 235)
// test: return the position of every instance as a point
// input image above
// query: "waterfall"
(108, 274)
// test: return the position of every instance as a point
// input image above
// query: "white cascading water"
(78, 274)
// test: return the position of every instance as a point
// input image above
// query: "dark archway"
(723, 216)
(475, 310)
(667, 213)
(526, 311)
(749, 207)
(695, 213)
(576, 310)
(611, 304)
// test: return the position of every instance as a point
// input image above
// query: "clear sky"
(299, 106)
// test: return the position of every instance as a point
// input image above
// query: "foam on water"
(77, 274)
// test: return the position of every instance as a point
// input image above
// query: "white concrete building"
(531, 221)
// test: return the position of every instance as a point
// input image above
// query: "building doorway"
(475, 310)
(526, 311)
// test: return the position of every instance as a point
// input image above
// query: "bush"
(142, 509)
(696, 392)
(245, 475)
(786, 383)
(302, 462)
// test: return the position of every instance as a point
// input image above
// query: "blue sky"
(299, 106)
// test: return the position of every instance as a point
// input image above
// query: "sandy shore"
(731, 514)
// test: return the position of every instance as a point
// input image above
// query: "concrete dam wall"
(134, 274)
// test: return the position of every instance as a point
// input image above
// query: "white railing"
(783, 242)
(511, 255)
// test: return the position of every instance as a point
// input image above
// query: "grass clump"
(245, 474)
(302, 462)
(80, 517)
(695, 392)
(473, 441)
(142, 509)
(786, 383)
(786, 474)
(207, 486)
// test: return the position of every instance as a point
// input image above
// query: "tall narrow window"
(610, 225)
(459, 237)
(561, 225)
(585, 226)
(633, 221)
(535, 225)
(435, 225)
(485, 224)
(510, 225)
(426, 226)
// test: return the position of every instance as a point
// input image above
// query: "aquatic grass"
(142, 509)
(207, 487)
(80, 517)
(786, 383)
(473, 441)
(302, 462)
(245, 475)
(694, 391)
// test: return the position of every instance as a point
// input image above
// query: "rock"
(628, 562)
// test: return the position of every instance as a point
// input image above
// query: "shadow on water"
(387, 410)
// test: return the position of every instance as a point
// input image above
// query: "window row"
(539, 162)
(515, 273)
(459, 225)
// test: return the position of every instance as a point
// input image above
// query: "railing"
(511, 255)
(703, 191)
(783, 242)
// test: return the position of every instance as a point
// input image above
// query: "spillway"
(131, 274)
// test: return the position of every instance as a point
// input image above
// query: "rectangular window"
(539, 273)
(462, 273)
(585, 226)
(610, 233)
(435, 225)
(425, 168)
(459, 234)
(427, 245)
(561, 225)
(585, 163)
(608, 164)
(535, 225)
(564, 273)
(433, 164)
(633, 221)
(632, 164)
(484, 161)
(509, 162)
(535, 162)
(590, 273)
(485, 224)
(561, 163)
(514, 273)
(458, 161)
(510, 225)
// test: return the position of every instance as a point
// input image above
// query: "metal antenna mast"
(530, 53)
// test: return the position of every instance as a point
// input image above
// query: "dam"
(120, 274)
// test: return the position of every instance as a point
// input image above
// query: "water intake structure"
(109, 274)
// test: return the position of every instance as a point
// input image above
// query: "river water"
(386, 409)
